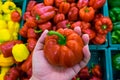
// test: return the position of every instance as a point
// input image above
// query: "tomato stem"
(61, 40)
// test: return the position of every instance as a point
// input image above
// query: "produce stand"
(101, 54)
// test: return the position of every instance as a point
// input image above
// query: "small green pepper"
(116, 61)
(116, 10)
(114, 3)
(112, 16)
(116, 26)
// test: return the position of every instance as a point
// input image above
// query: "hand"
(42, 70)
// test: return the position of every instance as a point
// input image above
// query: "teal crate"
(100, 56)
(114, 74)
(21, 4)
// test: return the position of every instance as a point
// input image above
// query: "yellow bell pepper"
(15, 36)
(4, 35)
(0, 7)
(13, 28)
(4, 70)
(1, 17)
(20, 52)
(5, 62)
(7, 17)
(8, 7)
(3, 24)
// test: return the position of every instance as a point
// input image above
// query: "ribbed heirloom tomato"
(63, 47)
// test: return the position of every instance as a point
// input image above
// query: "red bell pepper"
(82, 3)
(97, 71)
(27, 64)
(64, 7)
(63, 24)
(15, 16)
(6, 48)
(30, 22)
(90, 32)
(23, 31)
(71, 1)
(31, 42)
(103, 25)
(58, 2)
(99, 39)
(43, 14)
(31, 33)
(96, 4)
(49, 2)
(84, 73)
(12, 74)
(87, 14)
(59, 17)
(29, 72)
(75, 24)
(26, 15)
(73, 14)
(44, 26)
(30, 5)
(95, 78)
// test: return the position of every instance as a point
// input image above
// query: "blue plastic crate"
(114, 74)
(100, 56)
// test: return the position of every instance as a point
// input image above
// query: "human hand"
(42, 70)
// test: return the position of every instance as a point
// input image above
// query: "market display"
(94, 73)
(22, 25)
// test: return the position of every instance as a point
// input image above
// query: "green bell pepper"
(116, 61)
(114, 3)
(114, 14)
(116, 26)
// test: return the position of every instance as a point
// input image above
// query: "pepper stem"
(68, 25)
(10, 7)
(37, 17)
(104, 27)
(86, 9)
(61, 40)
(78, 79)
(38, 31)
